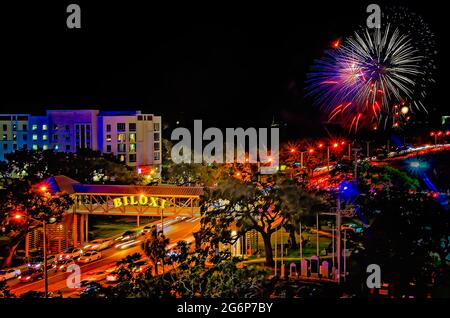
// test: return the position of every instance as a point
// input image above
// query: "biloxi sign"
(235, 142)
(141, 200)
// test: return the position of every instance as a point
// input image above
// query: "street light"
(44, 229)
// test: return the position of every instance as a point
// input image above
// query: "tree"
(85, 166)
(155, 248)
(21, 204)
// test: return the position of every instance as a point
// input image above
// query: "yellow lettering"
(133, 201)
(153, 202)
(143, 200)
(163, 203)
(125, 201)
(117, 202)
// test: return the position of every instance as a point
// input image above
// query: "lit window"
(35, 137)
(133, 137)
(5, 137)
(14, 136)
(35, 147)
(34, 127)
(45, 147)
(56, 147)
(44, 127)
(121, 137)
(44, 137)
(132, 147)
(121, 158)
(55, 127)
(108, 137)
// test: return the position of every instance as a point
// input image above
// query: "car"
(31, 275)
(112, 277)
(90, 256)
(127, 236)
(98, 245)
(70, 253)
(127, 244)
(90, 289)
(63, 264)
(6, 274)
(96, 276)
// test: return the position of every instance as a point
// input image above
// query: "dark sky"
(226, 63)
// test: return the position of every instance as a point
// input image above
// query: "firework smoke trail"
(361, 80)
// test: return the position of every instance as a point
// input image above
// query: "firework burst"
(359, 82)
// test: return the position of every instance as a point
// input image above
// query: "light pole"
(44, 229)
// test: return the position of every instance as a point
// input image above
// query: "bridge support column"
(87, 227)
(75, 230)
(82, 229)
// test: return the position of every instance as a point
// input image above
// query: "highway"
(57, 281)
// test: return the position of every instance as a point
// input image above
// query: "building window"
(5, 137)
(132, 126)
(56, 147)
(108, 138)
(24, 127)
(132, 137)
(67, 137)
(108, 148)
(5, 127)
(25, 146)
(67, 127)
(34, 127)
(157, 136)
(24, 137)
(35, 147)
(14, 137)
(156, 146)
(120, 126)
(14, 127)
(55, 127)
(140, 117)
(35, 137)
(55, 137)
(14, 146)
(121, 158)
(156, 155)
(108, 127)
(5, 147)
(121, 137)
(132, 158)
(156, 126)
(132, 147)
(67, 147)
(44, 127)
(121, 148)
(45, 147)
(44, 137)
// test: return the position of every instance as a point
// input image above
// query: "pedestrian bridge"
(128, 200)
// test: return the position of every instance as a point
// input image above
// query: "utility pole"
(44, 228)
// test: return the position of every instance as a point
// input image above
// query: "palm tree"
(155, 247)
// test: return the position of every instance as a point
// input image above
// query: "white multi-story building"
(134, 138)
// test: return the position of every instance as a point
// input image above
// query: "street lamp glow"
(43, 188)
(335, 145)
(405, 110)
(311, 150)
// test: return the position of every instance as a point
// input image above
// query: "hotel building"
(134, 138)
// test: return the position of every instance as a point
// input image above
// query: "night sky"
(224, 63)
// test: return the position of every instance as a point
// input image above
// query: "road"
(176, 232)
